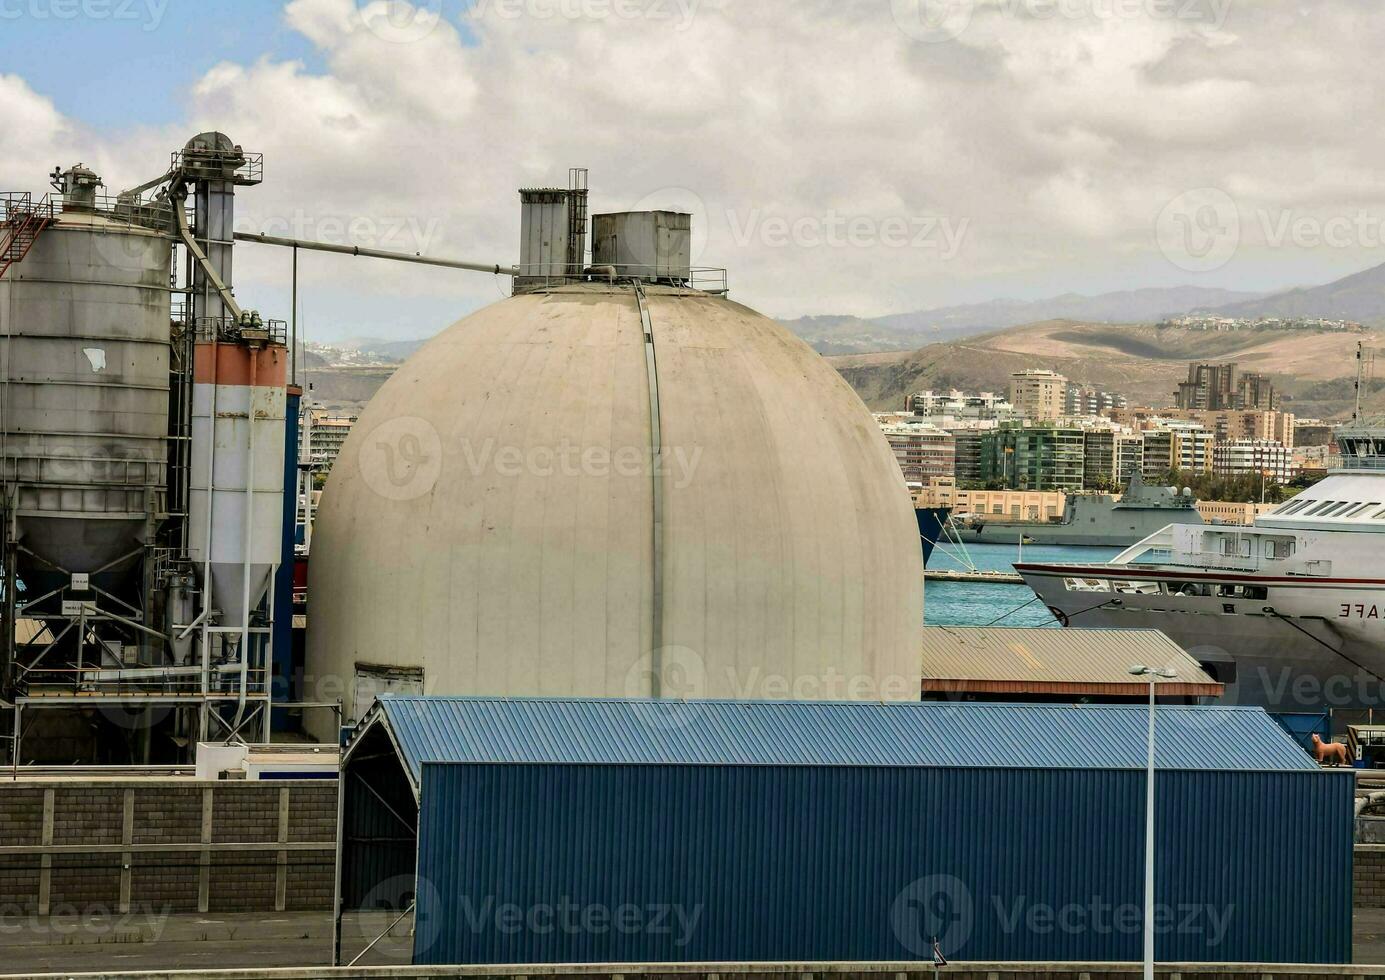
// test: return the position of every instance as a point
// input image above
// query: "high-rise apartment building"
(1037, 395)
(1040, 457)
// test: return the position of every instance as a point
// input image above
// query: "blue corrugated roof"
(970, 734)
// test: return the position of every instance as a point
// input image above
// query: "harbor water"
(983, 604)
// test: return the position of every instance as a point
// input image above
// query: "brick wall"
(174, 845)
(1368, 876)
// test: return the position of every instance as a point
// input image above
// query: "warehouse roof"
(1038, 660)
(944, 734)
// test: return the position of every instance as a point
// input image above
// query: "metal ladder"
(23, 222)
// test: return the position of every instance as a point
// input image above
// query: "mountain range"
(907, 331)
(1360, 296)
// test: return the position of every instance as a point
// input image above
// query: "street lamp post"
(1153, 673)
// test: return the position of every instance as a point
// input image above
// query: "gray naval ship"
(1095, 519)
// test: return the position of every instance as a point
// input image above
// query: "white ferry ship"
(1288, 613)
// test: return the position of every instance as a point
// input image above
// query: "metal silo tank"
(84, 360)
(235, 512)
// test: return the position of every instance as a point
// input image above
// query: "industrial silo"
(84, 343)
(142, 443)
(622, 486)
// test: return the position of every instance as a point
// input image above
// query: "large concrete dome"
(489, 525)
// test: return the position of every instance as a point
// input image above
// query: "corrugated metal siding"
(1038, 654)
(845, 863)
(833, 733)
(1274, 848)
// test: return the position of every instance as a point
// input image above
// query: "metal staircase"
(21, 222)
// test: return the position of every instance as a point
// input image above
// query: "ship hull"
(1115, 533)
(1301, 647)
(932, 522)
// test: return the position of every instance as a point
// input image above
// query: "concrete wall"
(174, 844)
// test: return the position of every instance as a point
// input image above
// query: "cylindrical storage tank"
(238, 404)
(489, 528)
(84, 361)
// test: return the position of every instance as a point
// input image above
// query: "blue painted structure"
(1302, 726)
(559, 830)
(281, 640)
(908, 733)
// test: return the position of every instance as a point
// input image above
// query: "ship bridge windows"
(1234, 545)
(1136, 588)
(1338, 511)
(1228, 590)
(1360, 507)
(1293, 507)
(1361, 447)
(1190, 589)
(1322, 508)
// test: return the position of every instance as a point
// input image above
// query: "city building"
(1038, 395)
(967, 445)
(1313, 432)
(1175, 445)
(1208, 386)
(1034, 505)
(326, 435)
(959, 404)
(1315, 460)
(1260, 457)
(1224, 424)
(1130, 456)
(924, 451)
(939, 406)
(1039, 457)
(1110, 457)
(1088, 400)
(1256, 391)
(1223, 386)
(1099, 459)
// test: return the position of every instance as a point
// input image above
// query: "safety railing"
(547, 275)
(250, 327)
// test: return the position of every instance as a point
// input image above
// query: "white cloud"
(1048, 144)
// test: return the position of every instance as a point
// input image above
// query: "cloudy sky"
(840, 156)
